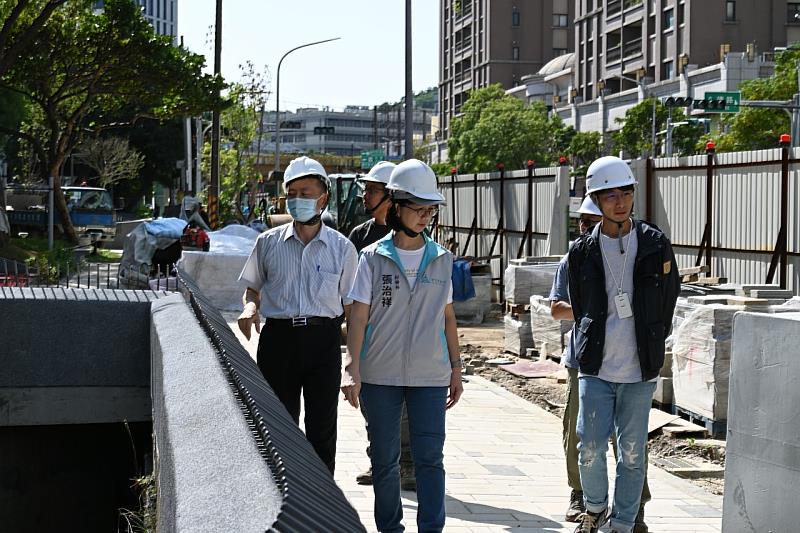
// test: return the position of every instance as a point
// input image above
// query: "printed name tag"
(623, 304)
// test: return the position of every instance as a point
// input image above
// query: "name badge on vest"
(623, 304)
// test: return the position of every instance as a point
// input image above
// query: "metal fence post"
(502, 226)
(50, 182)
(475, 204)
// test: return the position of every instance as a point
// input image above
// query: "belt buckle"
(298, 321)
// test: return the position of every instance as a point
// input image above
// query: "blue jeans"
(426, 415)
(605, 407)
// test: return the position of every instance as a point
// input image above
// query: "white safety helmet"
(379, 173)
(588, 207)
(302, 167)
(414, 180)
(608, 172)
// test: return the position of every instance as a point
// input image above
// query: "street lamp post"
(639, 80)
(278, 98)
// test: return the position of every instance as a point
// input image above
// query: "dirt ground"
(484, 342)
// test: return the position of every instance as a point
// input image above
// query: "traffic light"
(707, 104)
(324, 130)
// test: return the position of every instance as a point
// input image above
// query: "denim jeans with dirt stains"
(605, 407)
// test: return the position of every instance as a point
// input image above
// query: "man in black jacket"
(623, 285)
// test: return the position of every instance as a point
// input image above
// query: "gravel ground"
(481, 343)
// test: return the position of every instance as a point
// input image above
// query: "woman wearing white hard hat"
(403, 348)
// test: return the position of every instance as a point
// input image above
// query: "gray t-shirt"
(620, 356)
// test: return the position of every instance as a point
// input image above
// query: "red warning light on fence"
(501, 166)
(454, 170)
(711, 146)
(562, 160)
(785, 139)
(531, 162)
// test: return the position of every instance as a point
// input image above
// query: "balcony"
(614, 55)
(614, 7)
(632, 48)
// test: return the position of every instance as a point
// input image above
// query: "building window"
(560, 21)
(515, 18)
(730, 11)
(793, 12)
(515, 53)
(668, 70)
(668, 19)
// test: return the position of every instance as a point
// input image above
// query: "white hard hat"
(414, 180)
(380, 173)
(302, 167)
(588, 207)
(608, 172)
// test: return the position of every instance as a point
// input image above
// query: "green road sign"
(732, 99)
(370, 157)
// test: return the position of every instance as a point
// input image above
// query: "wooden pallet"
(714, 428)
(516, 309)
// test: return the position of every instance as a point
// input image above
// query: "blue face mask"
(302, 209)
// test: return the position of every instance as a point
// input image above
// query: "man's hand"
(248, 319)
(351, 386)
(456, 388)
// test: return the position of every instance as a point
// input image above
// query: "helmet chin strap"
(394, 221)
(370, 211)
(311, 221)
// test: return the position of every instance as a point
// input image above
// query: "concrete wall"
(211, 476)
(74, 356)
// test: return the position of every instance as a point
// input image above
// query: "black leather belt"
(300, 321)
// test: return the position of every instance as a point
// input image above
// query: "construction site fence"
(737, 213)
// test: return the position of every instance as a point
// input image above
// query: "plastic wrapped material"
(518, 333)
(474, 310)
(523, 281)
(548, 334)
(701, 360)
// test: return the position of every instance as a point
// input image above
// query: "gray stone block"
(763, 455)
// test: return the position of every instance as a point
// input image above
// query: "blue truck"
(90, 209)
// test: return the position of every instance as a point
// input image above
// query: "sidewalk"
(505, 470)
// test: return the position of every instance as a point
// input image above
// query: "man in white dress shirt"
(299, 275)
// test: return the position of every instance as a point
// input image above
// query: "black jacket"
(656, 286)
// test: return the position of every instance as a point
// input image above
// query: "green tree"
(583, 149)
(84, 68)
(635, 136)
(758, 128)
(23, 20)
(496, 128)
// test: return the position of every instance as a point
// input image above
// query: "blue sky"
(365, 67)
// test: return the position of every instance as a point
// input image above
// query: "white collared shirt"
(294, 279)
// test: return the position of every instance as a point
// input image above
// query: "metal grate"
(311, 499)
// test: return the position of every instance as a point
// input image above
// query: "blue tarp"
(166, 227)
(463, 289)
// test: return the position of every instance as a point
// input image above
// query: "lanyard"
(619, 283)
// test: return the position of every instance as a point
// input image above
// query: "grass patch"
(104, 256)
(21, 250)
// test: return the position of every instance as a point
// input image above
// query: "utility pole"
(213, 189)
(409, 148)
(374, 127)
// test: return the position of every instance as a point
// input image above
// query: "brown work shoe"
(576, 507)
(591, 522)
(365, 478)
(408, 479)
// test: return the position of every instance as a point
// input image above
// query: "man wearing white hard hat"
(623, 286)
(298, 276)
(403, 348)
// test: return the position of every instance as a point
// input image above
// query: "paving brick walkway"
(505, 471)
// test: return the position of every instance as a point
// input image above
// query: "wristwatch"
(458, 363)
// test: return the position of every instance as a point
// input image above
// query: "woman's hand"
(456, 387)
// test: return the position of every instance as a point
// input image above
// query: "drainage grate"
(311, 499)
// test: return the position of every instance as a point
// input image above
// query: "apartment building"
(482, 42)
(618, 42)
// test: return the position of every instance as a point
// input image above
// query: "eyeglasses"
(615, 196)
(423, 212)
(586, 221)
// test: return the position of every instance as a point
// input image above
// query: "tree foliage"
(23, 21)
(758, 128)
(112, 158)
(635, 137)
(85, 69)
(583, 149)
(496, 128)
